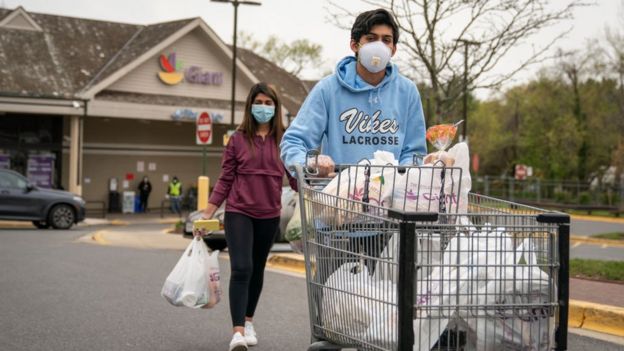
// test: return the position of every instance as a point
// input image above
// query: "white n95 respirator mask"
(374, 56)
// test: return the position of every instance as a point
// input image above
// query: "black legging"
(249, 241)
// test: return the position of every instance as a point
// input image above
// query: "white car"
(216, 239)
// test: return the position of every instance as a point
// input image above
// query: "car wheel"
(215, 244)
(61, 217)
(41, 224)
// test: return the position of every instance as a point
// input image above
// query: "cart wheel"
(323, 346)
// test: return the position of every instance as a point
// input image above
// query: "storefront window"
(32, 146)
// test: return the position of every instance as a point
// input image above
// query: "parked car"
(22, 201)
(216, 239)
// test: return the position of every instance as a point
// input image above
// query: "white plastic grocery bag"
(419, 188)
(194, 281)
(294, 232)
(350, 184)
(520, 282)
(355, 304)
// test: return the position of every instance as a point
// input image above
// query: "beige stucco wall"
(113, 147)
(194, 49)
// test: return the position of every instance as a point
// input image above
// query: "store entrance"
(32, 146)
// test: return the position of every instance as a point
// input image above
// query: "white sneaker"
(238, 342)
(250, 334)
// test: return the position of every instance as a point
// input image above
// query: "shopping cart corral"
(400, 264)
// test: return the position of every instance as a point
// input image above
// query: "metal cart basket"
(398, 258)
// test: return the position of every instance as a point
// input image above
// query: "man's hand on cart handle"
(325, 165)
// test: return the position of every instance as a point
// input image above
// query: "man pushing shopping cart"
(398, 255)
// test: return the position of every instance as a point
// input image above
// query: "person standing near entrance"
(145, 188)
(251, 184)
(175, 195)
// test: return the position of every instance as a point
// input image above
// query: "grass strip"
(596, 269)
(610, 236)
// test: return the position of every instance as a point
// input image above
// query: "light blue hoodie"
(350, 119)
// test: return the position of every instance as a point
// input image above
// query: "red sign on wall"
(203, 134)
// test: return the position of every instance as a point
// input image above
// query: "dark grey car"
(22, 201)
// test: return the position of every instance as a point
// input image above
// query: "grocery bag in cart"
(522, 291)
(375, 175)
(419, 188)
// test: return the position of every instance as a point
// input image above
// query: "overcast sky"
(295, 19)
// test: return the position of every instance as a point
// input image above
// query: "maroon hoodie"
(251, 181)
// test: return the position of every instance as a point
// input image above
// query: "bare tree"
(434, 33)
(292, 57)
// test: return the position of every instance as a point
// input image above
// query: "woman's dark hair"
(250, 125)
(367, 20)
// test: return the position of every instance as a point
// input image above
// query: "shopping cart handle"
(554, 217)
(337, 168)
(413, 216)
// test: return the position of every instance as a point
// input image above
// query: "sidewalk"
(597, 292)
(143, 218)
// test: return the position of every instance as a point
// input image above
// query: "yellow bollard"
(203, 187)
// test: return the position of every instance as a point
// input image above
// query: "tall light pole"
(465, 92)
(235, 3)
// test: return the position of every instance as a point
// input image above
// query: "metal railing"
(557, 193)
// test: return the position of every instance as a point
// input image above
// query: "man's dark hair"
(367, 20)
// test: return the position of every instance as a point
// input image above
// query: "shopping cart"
(388, 267)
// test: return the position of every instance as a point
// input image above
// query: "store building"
(83, 101)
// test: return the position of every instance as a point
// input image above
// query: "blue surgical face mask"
(262, 113)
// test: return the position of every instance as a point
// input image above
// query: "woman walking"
(251, 184)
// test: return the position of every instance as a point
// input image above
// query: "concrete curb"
(91, 222)
(593, 316)
(288, 261)
(586, 315)
(16, 224)
(598, 218)
(29, 225)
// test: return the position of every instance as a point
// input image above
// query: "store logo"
(173, 74)
(168, 64)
